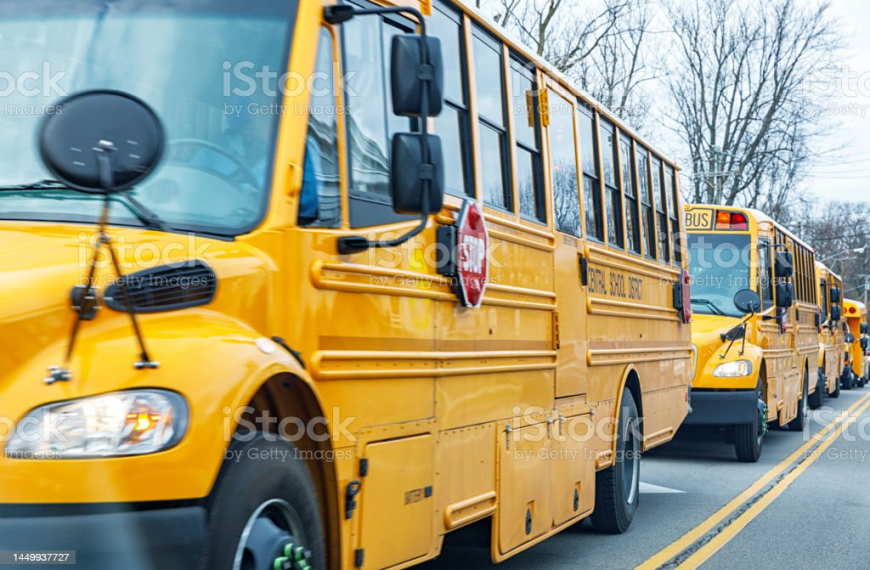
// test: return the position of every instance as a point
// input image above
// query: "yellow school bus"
(855, 316)
(832, 341)
(326, 340)
(755, 324)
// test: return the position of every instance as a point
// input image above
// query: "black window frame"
(613, 195)
(630, 196)
(765, 286)
(479, 34)
(594, 178)
(647, 210)
(368, 209)
(461, 108)
(670, 182)
(663, 241)
(516, 64)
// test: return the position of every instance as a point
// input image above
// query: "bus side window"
(629, 188)
(453, 125)
(320, 198)
(673, 205)
(824, 293)
(494, 151)
(648, 221)
(661, 210)
(563, 165)
(591, 185)
(613, 196)
(764, 273)
(527, 137)
(369, 117)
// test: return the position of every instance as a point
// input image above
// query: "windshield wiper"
(713, 306)
(142, 213)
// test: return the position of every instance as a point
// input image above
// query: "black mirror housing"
(850, 338)
(103, 142)
(408, 75)
(408, 171)
(863, 328)
(783, 264)
(784, 295)
(747, 301)
(835, 295)
(835, 313)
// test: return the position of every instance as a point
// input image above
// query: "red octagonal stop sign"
(472, 248)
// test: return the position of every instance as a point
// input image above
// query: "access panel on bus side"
(396, 501)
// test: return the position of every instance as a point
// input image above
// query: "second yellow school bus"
(326, 389)
(757, 362)
(832, 338)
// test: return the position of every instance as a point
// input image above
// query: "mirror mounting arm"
(342, 13)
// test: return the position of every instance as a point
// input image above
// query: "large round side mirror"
(747, 301)
(102, 142)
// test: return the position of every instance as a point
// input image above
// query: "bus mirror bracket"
(417, 85)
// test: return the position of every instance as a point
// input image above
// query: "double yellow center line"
(681, 554)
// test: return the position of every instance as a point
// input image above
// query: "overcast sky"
(847, 176)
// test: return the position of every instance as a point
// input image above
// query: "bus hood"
(40, 264)
(707, 331)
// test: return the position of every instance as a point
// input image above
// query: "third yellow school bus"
(386, 340)
(756, 362)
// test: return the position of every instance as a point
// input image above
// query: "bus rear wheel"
(617, 488)
(815, 399)
(836, 392)
(264, 511)
(749, 438)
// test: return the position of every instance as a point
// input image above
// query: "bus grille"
(165, 288)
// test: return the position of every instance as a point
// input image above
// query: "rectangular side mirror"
(408, 171)
(863, 328)
(835, 294)
(784, 294)
(408, 75)
(835, 313)
(783, 264)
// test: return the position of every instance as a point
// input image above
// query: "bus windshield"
(719, 265)
(211, 69)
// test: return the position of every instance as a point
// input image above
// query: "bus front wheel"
(749, 438)
(264, 509)
(617, 488)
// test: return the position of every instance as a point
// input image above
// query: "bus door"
(771, 339)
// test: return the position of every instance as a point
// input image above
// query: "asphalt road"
(811, 514)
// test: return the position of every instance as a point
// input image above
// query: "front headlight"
(121, 423)
(736, 369)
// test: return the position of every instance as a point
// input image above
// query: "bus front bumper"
(722, 408)
(164, 538)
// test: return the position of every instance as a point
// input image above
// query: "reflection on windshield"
(719, 266)
(199, 64)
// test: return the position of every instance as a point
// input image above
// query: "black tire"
(815, 399)
(800, 421)
(749, 438)
(617, 488)
(252, 494)
(836, 392)
(848, 378)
